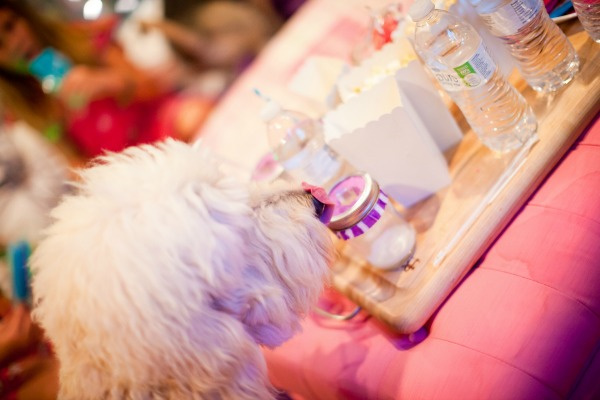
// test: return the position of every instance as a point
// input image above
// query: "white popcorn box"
(398, 59)
(379, 131)
(382, 63)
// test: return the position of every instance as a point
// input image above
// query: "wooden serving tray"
(458, 224)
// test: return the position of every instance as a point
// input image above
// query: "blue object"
(18, 257)
(562, 9)
(50, 66)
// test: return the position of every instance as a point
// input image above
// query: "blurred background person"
(217, 39)
(103, 102)
(214, 40)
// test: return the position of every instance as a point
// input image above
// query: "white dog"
(161, 276)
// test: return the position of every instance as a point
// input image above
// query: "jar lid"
(354, 197)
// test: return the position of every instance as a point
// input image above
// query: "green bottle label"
(478, 70)
(468, 74)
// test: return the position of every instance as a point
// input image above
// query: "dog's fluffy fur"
(161, 276)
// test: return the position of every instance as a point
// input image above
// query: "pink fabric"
(524, 324)
(588, 386)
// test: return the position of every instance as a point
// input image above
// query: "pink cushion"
(588, 387)
(524, 324)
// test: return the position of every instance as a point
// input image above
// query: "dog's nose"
(319, 207)
(322, 204)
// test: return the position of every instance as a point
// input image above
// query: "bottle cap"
(270, 110)
(420, 9)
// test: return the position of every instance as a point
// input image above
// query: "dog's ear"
(290, 251)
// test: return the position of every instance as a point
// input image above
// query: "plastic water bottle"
(546, 58)
(458, 58)
(588, 12)
(298, 145)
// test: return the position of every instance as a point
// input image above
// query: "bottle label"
(470, 75)
(315, 163)
(323, 166)
(449, 80)
(509, 19)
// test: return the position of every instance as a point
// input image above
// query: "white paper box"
(381, 64)
(425, 98)
(380, 132)
(360, 110)
(416, 85)
(399, 59)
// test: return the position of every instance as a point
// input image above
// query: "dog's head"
(161, 276)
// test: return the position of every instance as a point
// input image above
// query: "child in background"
(103, 102)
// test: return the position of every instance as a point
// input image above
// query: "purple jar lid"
(358, 205)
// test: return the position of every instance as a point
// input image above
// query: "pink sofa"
(524, 324)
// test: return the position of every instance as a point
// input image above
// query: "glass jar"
(369, 223)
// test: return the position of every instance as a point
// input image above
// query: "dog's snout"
(321, 202)
(319, 207)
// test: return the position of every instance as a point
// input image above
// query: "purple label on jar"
(368, 221)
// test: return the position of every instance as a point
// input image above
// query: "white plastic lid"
(420, 9)
(270, 110)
